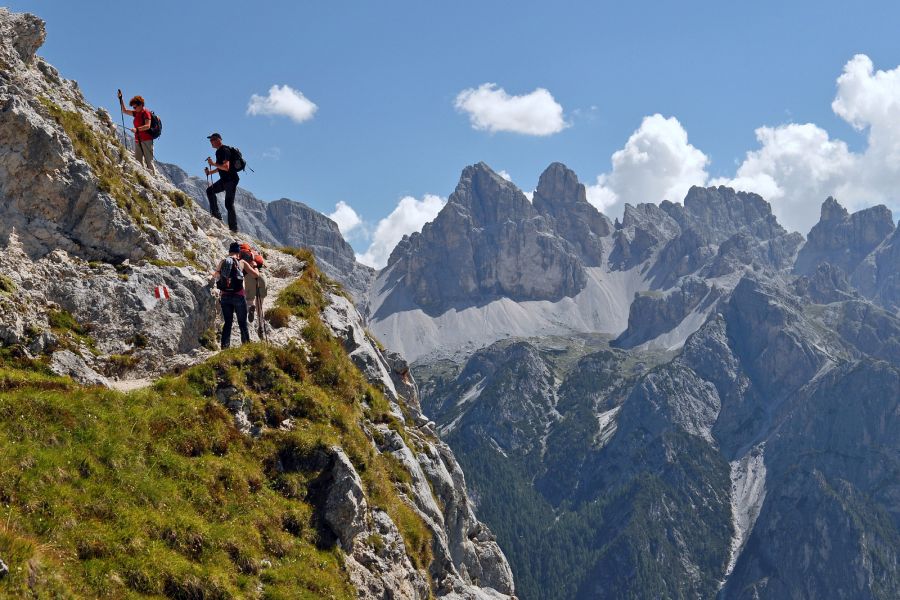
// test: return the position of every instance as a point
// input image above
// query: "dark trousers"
(230, 189)
(234, 304)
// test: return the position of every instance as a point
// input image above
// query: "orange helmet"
(259, 260)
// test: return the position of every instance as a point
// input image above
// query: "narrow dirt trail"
(274, 284)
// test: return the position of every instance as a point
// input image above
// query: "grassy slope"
(155, 492)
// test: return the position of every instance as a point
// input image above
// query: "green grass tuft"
(6, 285)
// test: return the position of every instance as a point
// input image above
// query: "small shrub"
(121, 363)
(179, 198)
(158, 262)
(6, 285)
(62, 320)
(278, 316)
(209, 339)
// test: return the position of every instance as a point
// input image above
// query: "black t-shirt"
(224, 153)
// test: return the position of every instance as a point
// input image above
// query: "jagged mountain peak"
(844, 239)
(832, 210)
(720, 212)
(562, 198)
(559, 183)
(487, 197)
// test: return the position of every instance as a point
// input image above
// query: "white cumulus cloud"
(505, 175)
(346, 218)
(657, 163)
(409, 216)
(798, 166)
(283, 101)
(795, 169)
(490, 108)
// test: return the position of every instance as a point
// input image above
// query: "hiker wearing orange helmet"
(255, 285)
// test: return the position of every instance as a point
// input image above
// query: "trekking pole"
(261, 320)
(122, 113)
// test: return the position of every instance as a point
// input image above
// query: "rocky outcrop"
(643, 229)
(468, 562)
(720, 212)
(842, 239)
(826, 285)
(655, 313)
(103, 237)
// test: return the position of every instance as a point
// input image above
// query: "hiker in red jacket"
(143, 142)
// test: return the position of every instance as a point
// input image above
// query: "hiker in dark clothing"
(228, 180)
(230, 278)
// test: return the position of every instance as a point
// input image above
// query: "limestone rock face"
(560, 196)
(92, 234)
(864, 245)
(66, 182)
(720, 212)
(345, 501)
(843, 239)
(826, 285)
(478, 246)
(643, 229)
(468, 562)
(653, 314)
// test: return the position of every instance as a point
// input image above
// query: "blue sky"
(385, 77)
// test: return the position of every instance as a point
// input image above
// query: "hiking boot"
(216, 215)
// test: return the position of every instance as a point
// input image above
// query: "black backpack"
(155, 125)
(237, 160)
(234, 280)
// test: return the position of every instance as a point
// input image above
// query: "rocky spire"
(560, 197)
(844, 239)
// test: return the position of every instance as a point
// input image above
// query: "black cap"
(234, 248)
(215, 136)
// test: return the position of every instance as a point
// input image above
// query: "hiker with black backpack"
(147, 128)
(228, 163)
(230, 282)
